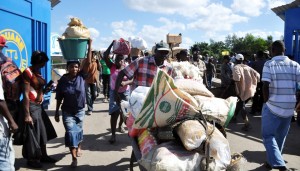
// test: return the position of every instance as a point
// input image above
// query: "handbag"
(31, 148)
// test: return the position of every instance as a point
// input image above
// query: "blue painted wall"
(26, 26)
(291, 32)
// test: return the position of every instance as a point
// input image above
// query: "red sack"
(121, 47)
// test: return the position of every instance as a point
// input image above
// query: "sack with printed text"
(165, 104)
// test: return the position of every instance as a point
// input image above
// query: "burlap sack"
(238, 162)
(219, 148)
(165, 104)
(193, 87)
(191, 133)
(217, 109)
(75, 22)
(170, 156)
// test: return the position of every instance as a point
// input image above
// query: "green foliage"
(247, 45)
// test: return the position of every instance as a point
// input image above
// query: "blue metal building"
(26, 26)
(290, 14)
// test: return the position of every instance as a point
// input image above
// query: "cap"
(239, 57)
(162, 46)
(2, 41)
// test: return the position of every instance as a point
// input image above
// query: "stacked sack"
(186, 70)
(76, 29)
(167, 103)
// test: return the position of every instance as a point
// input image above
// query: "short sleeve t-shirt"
(105, 69)
(113, 78)
(72, 92)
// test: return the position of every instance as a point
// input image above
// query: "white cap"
(239, 57)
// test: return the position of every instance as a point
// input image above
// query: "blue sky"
(197, 20)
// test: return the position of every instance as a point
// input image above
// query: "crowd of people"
(269, 82)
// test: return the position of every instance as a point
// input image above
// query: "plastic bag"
(31, 148)
(137, 99)
(137, 42)
(121, 47)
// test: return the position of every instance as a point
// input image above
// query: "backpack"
(11, 80)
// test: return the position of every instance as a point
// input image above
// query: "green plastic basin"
(73, 48)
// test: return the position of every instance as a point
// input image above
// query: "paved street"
(98, 154)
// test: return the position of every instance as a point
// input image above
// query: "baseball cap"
(239, 57)
(162, 46)
(2, 41)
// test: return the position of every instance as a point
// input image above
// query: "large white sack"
(170, 156)
(77, 32)
(219, 148)
(217, 109)
(193, 87)
(137, 99)
(138, 42)
(187, 70)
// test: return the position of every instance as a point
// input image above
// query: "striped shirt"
(143, 71)
(36, 82)
(282, 74)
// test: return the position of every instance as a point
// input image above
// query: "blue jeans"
(7, 154)
(274, 132)
(91, 93)
(209, 79)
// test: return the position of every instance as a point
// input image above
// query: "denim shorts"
(7, 154)
(73, 125)
(113, 106)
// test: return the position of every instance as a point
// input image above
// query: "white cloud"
(277, 3)
(249, 7)
(94, 33)
(190, 8)
(187, 42)
(123, 28)
(220, 18)
(170, 25)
